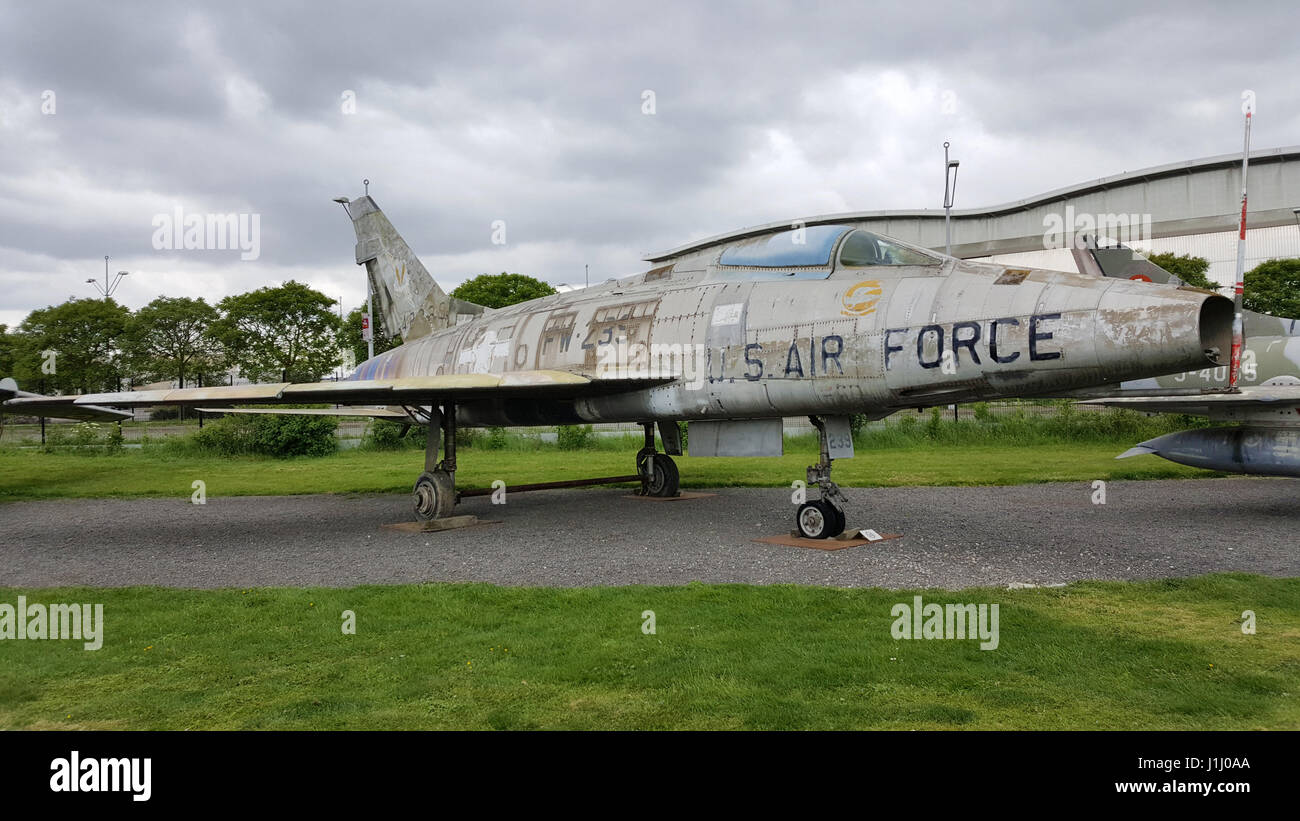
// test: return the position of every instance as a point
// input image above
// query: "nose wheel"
(821, 518)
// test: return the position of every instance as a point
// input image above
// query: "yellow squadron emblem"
(862, 298)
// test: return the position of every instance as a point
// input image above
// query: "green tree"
(8, 351)
(1186, 267)
(500, 290)
(168, 339)
(74, 347)
(350, 337)
(1273, 287)
(288, 331)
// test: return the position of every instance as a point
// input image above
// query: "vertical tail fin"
(412, 303)
(1125, 263)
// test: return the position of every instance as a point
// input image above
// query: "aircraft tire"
(837, 526)
(663, 479)
(819, 519)
(435, 495)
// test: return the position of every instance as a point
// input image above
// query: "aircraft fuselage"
(752, 343)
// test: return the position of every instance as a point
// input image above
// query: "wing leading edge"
(417, 390)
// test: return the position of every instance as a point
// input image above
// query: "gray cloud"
(531, 113)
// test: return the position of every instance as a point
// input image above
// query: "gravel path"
(953, 538)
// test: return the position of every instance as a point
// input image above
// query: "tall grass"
(1067, 424)
(1064, 423)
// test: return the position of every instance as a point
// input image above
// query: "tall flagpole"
(1238, 319)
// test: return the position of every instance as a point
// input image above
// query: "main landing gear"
(821, 518)
(658, 472)
(435, 490)
(435, 493)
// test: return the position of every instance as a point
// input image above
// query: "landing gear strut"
(435, 490)
(821, 518)
(658, 472)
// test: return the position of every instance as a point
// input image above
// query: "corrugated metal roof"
(1222, 161)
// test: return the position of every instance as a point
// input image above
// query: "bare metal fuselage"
(761, 343)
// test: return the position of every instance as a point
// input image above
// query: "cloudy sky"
(535, 114)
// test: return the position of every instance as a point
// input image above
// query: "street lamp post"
(107, 288)
(949, 193)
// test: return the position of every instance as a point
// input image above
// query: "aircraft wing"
(1209, 404)
(370, 413)
(413, 391)
(89, 412)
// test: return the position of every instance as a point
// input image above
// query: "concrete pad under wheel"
(437, 525)
(849, 538)
(683, 496)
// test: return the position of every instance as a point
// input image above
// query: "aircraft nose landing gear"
(819, 519)
(822, 518)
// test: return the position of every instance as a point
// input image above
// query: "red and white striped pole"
(1238, 319)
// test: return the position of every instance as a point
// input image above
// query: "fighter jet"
(1267, 440)
(731, 335)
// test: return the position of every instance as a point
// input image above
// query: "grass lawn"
(1091, 655)
(30, 474)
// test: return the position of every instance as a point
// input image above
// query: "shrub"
(84, 437)
(934, 423)
(573, 437)
(496, 439)
(466, 437)
(857, 422)
(385, 434)
(276, 435)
